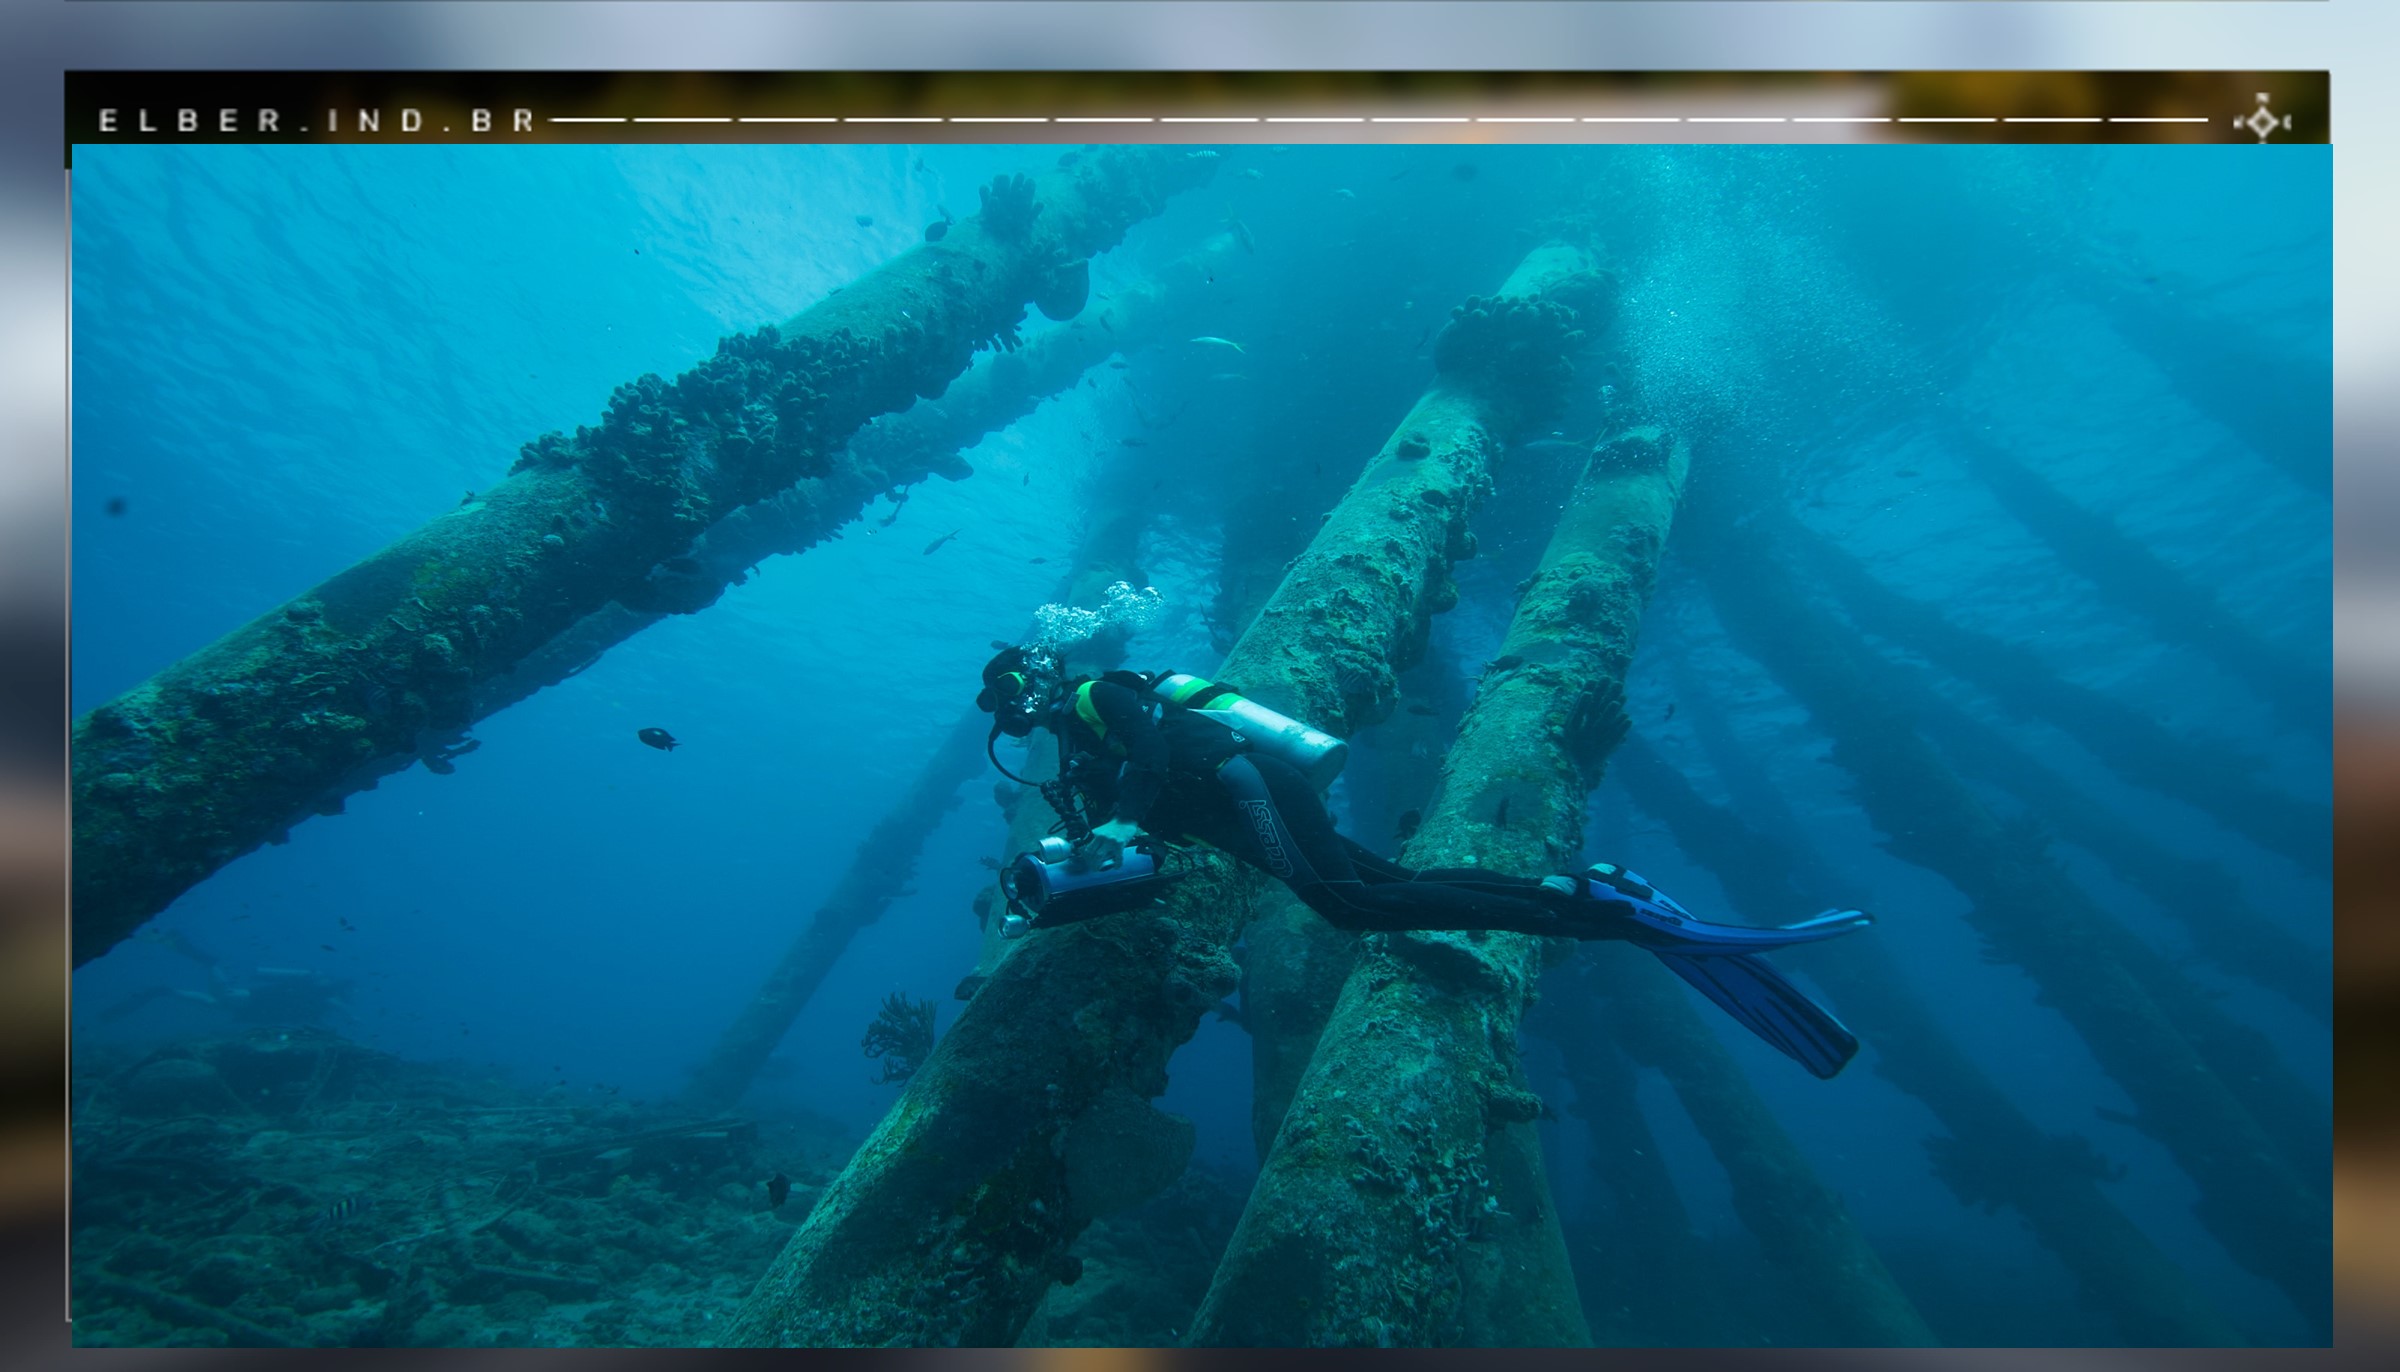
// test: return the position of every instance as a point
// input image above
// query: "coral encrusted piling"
(285, 716)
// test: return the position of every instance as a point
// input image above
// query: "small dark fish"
(1116, 364)
(327, 947)
(1670, 712)
(779, 1190)
(339, 1213)
(1037, 561)
(1501, 816)
(999, 643)
(989, 863)
(346, 924)
(1502, 664)
(1421, 339)
(1350, 681)
(1231, 1014)
(1028, 480)
(1418, 707)
(1400, 173)
(1464, 171)
(937, 230)
(116, 505)
(467, 499)
(936, 545)
(682, 566)
(1409, 820)
(658, 738)
(866, 221)
(1112, 329)
(1092, 381)
(1906, 471)
(1132, 443)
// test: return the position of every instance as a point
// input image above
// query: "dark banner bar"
(1213, 107)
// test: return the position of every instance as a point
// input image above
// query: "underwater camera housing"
(1046, 887)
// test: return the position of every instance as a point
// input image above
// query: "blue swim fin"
(1768, 1006)
(1654, 920)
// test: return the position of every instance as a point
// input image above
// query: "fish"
(1133, 443)
(658, 738)
(1231, 1014)
(117, 505)
(327, 947)
(1028, 480)
(936, 545)
(1906, 471)
(1253, 174)
(1407, 828)
(1116, 364)
(1464, 171)
(1418, 707)
(1345, 192)
(1037, 561)
(779, 1190)
(1503, 663)
(999, 643)
(989, 863)
(865, 221)
(935, 230)
(1500, 816)
(1213, 340)
(346, 924)
(1241, 235)
(1670, 712)
(339, 1213)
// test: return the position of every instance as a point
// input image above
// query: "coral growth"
(902, 1035)
(1009, 208)
(295, 1189)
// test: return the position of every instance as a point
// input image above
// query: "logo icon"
(2263, 121)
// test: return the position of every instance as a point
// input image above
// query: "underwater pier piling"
(895, 450)
(285, 716)
(2226, 929)
(2269, 1212)
(2208, 774)
(1402, 1200)
(1797, 1219)
(1994, 1155)
(1648, 1279)
(953, 1219)
(2131, 576)
(1415, 1091)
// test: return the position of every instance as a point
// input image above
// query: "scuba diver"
(1147, 761)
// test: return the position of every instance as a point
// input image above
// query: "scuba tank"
(1045, 886)
(1318, 755)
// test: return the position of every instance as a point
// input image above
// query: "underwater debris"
(901, 1035)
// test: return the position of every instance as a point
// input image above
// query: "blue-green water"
(284, 358)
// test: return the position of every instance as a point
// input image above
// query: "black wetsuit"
(1181, 778)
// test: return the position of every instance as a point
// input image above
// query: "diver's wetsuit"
(1186, 780)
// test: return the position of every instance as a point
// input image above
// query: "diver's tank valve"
(1318, 755)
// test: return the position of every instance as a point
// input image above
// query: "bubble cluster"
(1122, 608)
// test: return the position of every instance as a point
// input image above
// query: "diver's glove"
(1106, 847)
